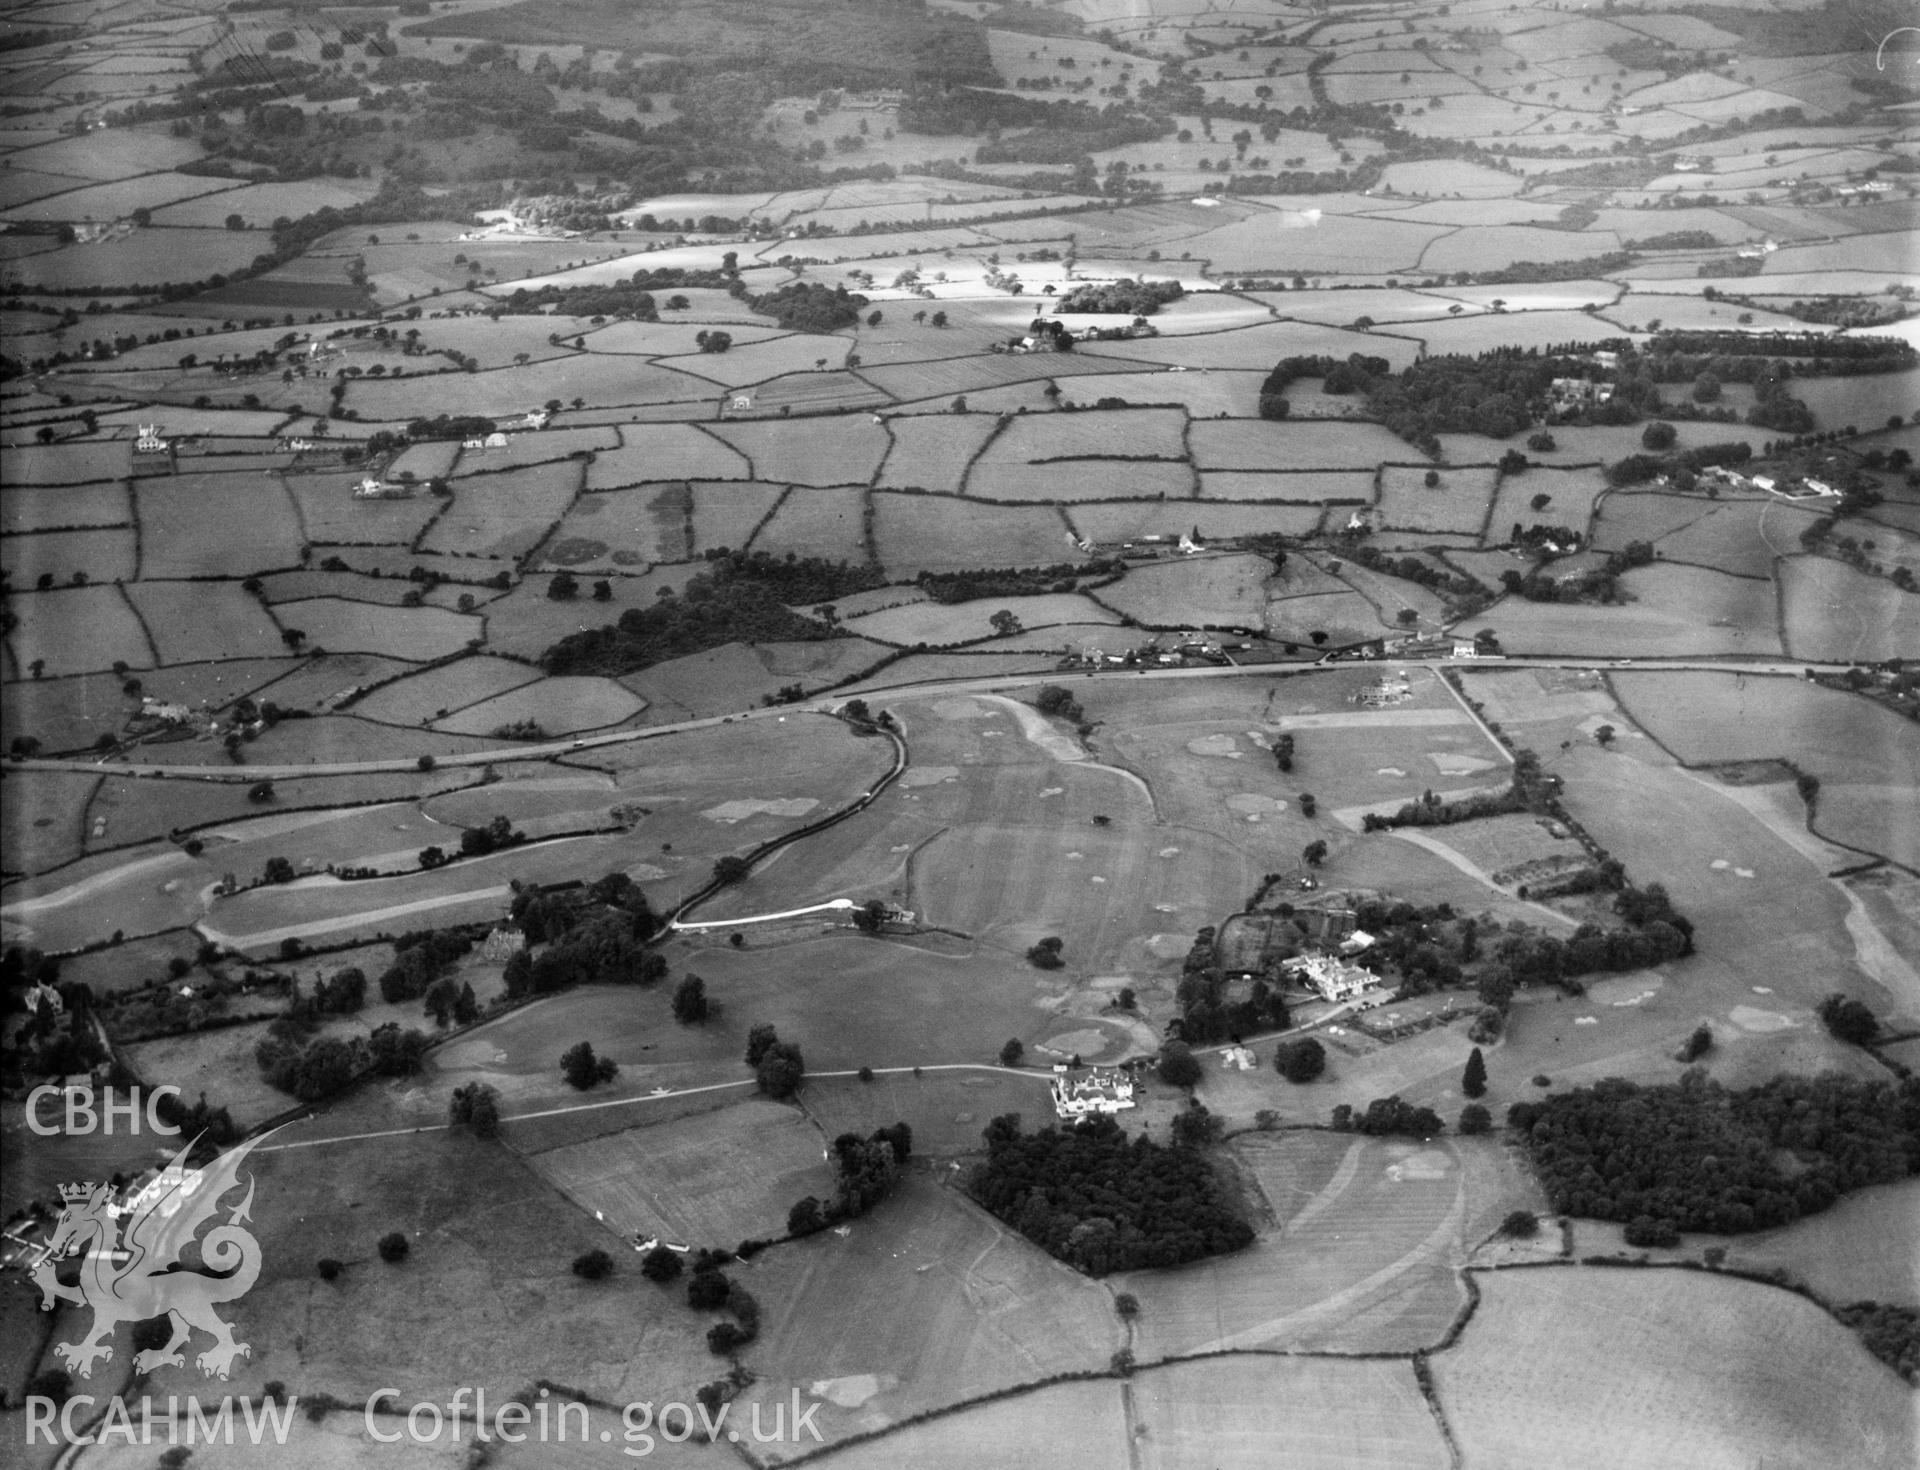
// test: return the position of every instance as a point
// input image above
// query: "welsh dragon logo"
(138, 1273)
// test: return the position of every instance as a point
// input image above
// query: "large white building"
(1334, 979)
(1097, 1092)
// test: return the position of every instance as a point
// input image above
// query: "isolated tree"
(661, 1264)
(1848, 1019)
(1309, 804)
(1314, 853)
(1004, 623)
(731, 869)
(1126, 999)
(761, 1038)
(475, 1106)
(563, 587)
(1698, 1044)
(780, 1071)
(1474, 1118)
(1177, 1065)
(1604, 735)
(805, 1217)
(394, 1247)
(1431, 479)
(1011, 1053)
(1473, 1081)
(583, 1069)
(1658, 435)
(1045, 955)
(690, 1004)
(1195, 1126)
(1300, 1061)
(593, 1265)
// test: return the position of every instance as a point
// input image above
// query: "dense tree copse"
(738, 598)
(1695, 1156)
(1102, 1202)
(1133, 298)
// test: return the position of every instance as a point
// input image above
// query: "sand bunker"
(1747, 1018)
(928, 775)
(1214, 745)
(1390, 771)
(1090, 1042)
(1167, 852)
(646, 873)
(846, 1393)
(1450, 764)
(739, 811)
(1096, 878)
(1051, 791)
(1429, 1163)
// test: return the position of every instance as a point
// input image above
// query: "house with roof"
(1333, 978)
(1097, 1092)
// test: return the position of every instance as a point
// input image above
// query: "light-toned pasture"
(710, 1180)
(1293, 445)
(259, 205)
(665, 452)
(915, 533)
(77, 630)
(1255, 348)
(1291, 488)
(938, 624)
(975, 1308)
(505, 514)
(1080, 479)
(1673, 610)
(195, 621)
(1459, 503)
(932, 452)
(1364, 1257)
(65, 464)
(560, 706)
(145, 258)
(1156, 433)
(1204, 395)
(1861, 1249)
(331, 515)
(259, 529)
(414, 633)
(1023, 1433)
(1131, 520)
(1656, 1369)
(96, 556)
(726, 514)
(826, 523)
(1212, 590)
(540, 448)
(106, 202)
(1234, 1413)
(1834, 612)
(1572, 493)
(623, 529)
(814, 452)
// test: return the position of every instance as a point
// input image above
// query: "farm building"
(151, 441)
(1097, 1092)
